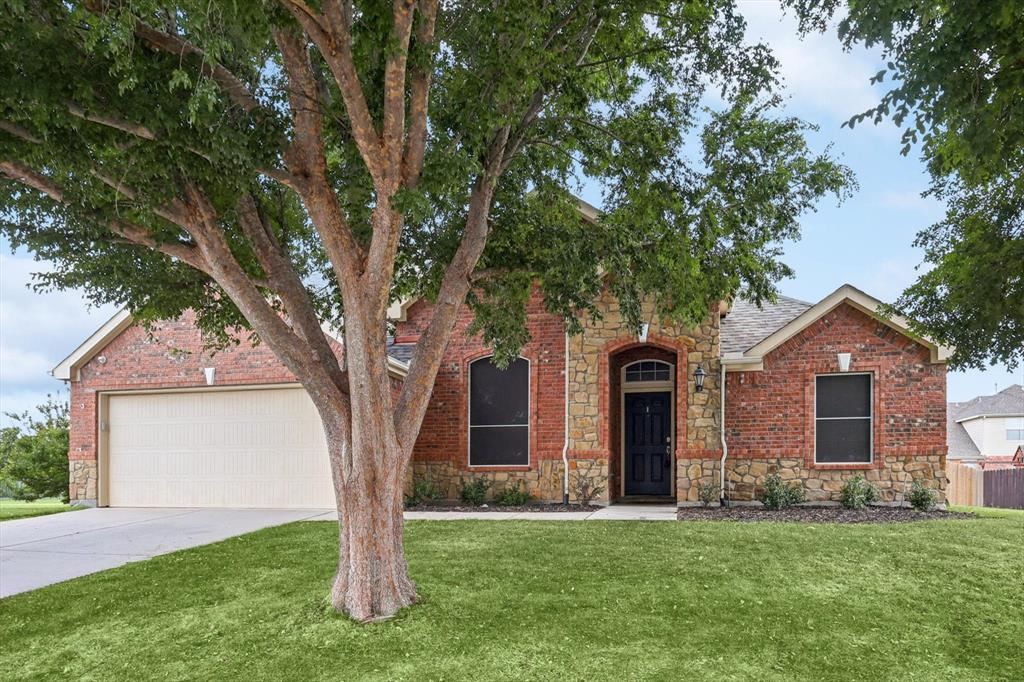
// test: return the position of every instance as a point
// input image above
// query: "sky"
(867, 241)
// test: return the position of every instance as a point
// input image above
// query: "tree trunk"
(372, 582)
(369, 466)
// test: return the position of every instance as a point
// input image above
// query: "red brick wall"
(771, 413)
(173, 357)
(443, 436)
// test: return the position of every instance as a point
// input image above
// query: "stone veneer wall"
(591, 434)
(745, 478)
(543, 482)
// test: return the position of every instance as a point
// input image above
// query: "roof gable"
(68, 368)
(845, 294)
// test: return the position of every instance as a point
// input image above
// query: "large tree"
(956, 75)
(277, 165)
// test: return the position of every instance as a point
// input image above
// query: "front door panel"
(648, 426)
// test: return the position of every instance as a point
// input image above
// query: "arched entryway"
(642, 422)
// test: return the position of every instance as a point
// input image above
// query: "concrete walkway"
(616, 512)
(49, 549)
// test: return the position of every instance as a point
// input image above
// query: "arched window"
(648, 370)
(499, 413)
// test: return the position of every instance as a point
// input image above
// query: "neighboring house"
(987, 430)
(816, 392)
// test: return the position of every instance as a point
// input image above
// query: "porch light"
(210, 373)
(844, 362)
(698, 378)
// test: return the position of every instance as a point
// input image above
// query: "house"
(815, 392)
(987, 430)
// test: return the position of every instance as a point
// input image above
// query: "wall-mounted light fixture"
(698, 378)
(844, 362)
(210, 373)
(643, 332)
(102, 359)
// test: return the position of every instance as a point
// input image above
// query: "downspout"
(565, 446)
(725, 446)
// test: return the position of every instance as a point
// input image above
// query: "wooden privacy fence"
(972, 487)
(1004, 488)
(966, 485)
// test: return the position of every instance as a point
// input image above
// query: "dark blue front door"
(648, 428)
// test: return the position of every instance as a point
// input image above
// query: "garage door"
(243, 448)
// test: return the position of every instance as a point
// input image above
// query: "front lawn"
(935, 600)
(15, 509)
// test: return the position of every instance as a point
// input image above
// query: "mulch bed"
(498, 508)
(817, 514)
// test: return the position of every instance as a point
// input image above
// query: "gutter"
(725, 446)
(565, 445)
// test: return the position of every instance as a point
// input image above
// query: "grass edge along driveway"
(17, 509)
(553, 600)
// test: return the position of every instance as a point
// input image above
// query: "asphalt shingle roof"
(961, 445)
(1009, 401)
(400, 351)
(746, 324)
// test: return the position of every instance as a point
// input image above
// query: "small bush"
(920, 497)
(423, 490)
(857, 493)
(513, 496)
(584, 486)
(707, 493)
(474, 491)
(779, 495)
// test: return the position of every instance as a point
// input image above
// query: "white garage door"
(243, 448)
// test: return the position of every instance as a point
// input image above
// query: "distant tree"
(274, 166)
(957, 74)
(34, 454)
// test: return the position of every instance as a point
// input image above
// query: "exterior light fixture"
(210, 372)
(844, 362)
(643, 332)
(698, 378)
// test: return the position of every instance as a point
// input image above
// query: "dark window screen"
(499, 410)
(843, 424)
(844, 396)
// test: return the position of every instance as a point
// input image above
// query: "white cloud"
(818, 75)
(37, 330)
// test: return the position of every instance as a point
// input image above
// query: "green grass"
(521, 600)
(15, 509)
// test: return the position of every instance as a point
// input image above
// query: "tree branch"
(307, 161)
(137, 235)
(18, 131)
(111, 122)
(235, 89)
(426, 360)
(282, 278)
(419, 92)
(334, 41)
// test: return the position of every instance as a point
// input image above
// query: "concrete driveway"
(50, 549)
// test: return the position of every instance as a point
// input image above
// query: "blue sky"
(867, 241)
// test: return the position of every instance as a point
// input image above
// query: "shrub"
(779, 495)
(857, 493)
(474, 491)
(920, 497)
(708, 493)
(423, 490)
(513, 495)
(584, 486)
(34, 454)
